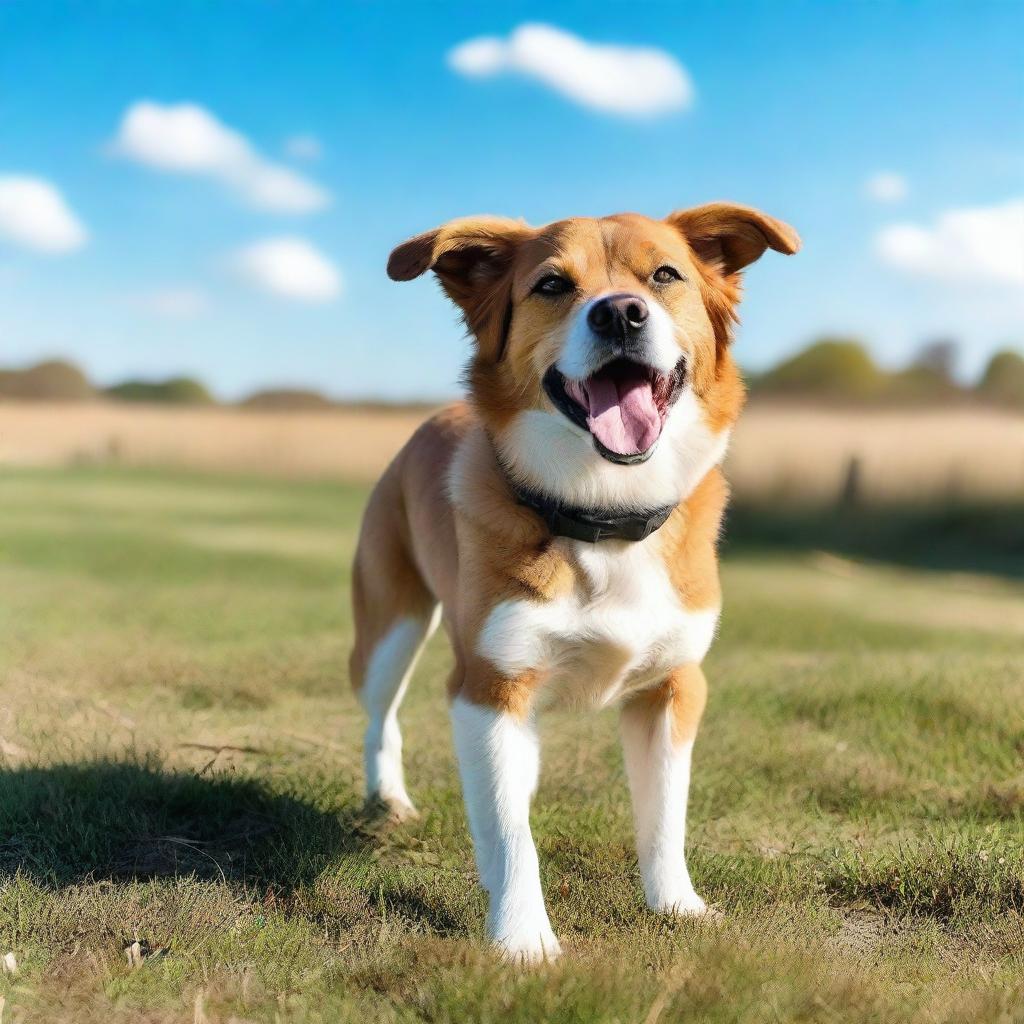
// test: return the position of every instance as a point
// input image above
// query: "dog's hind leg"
(385, 680)
(395, 614)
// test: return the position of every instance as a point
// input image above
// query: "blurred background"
(197, 202)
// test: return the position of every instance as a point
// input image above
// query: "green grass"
(180, 765)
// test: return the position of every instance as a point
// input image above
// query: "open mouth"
(623, 405)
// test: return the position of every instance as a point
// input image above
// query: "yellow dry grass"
(777, 453)
(804, 454)
(355, 444)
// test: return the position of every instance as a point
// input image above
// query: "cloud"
(886, 187)
(185, 138)
(631, 81)
(175, 303)
(33, 214)
(289, 267)
(982, 243)
(303, 147)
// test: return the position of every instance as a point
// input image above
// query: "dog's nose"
(617, 316)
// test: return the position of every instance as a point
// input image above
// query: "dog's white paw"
(401, 810)
(393, 806)
(687, 905)
(530, 946)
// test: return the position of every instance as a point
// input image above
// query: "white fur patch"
(387, 677)
(499, 761)
(551, 454)
(623, 630)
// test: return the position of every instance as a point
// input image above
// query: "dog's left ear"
(729, 236)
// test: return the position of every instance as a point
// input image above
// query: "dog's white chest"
(622, 629)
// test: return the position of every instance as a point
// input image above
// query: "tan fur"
(418, 547)
(690, 539)
(488, 550)
(394, 576)
(683, 694)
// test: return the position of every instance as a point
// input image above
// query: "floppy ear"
(729, 236)
(472, 258)
(466, 254)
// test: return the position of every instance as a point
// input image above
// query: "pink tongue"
(622, 416)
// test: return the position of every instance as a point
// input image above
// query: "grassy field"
(179, 766)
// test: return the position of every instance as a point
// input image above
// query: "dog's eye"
(553, 284)
(665, 275)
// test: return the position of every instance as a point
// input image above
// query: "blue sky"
(793, 107)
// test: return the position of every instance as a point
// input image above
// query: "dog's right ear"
(467, 255)
(472, 258)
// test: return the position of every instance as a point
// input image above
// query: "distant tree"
(829, 368)
(53, 380)
(939, 357)
(287, 399)
(930, 376)
(174, 391)
(1003, 379)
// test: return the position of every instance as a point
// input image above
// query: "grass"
(180, 766)
(957, 534)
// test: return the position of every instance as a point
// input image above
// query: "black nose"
(617, 316)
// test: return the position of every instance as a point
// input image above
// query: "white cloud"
(289, 267)
(185, 138)
(629, 80)
(886, 187)
(175, 303)
(983, 243)
(303, 147)
(34, 214)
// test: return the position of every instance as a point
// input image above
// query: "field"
(778, 452)
(179, 767)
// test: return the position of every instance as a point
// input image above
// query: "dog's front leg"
(658, 728)
(499, 761)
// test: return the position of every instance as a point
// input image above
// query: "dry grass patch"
(793, 454)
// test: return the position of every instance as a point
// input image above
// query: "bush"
(175, 391)
(922, 383)
(287, 399)
(1003, 379)
(930, 377)
(832, 368)
(53, 380)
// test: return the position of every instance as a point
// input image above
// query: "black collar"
(587, 524)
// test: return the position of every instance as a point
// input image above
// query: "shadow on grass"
(115, 820)
(950, 537)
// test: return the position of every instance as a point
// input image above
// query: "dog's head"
(601, 345)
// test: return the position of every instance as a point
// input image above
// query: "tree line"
(831, 369)
(842, 369)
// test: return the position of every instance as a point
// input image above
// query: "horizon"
(212, 192)
(929, 357)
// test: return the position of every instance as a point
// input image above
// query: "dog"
(563, 523)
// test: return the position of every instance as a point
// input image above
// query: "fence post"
(850, 488)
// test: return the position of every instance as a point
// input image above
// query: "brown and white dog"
(564, 522)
